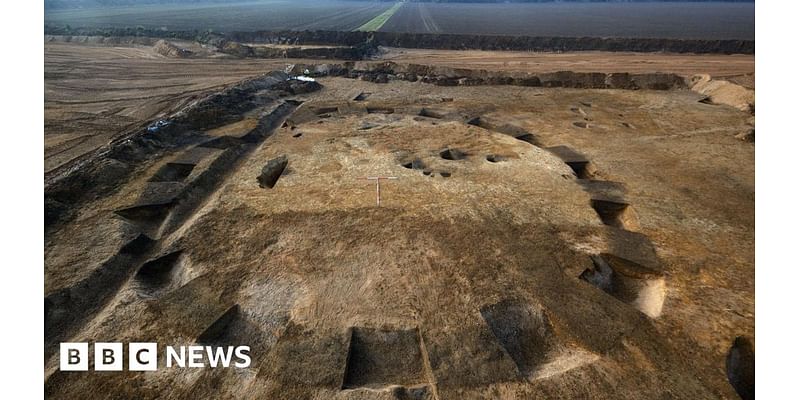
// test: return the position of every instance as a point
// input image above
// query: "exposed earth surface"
(550, 240)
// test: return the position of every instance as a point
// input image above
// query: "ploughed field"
(640, 20)
(712, 20)
(266, 14)
(93, 94)
(542, 241)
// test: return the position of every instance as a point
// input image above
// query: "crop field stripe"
(377, 22)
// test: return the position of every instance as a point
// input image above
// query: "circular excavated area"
(495, 265)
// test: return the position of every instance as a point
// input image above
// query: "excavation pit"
(579, 164)
(528, 138)
(426, 112)
(366, 125)
(581, 124)
(324, 112)
(148, 217)
(272, 172)
(380, 110)
(582, 169)
(156, 272)
(379, 358)
(476, 121)
(217, 332)
(616, 213)
(494, 158)
(740, 365)
(172, 172)
(414, 164)
(523, 331)
(629, 282)
(452, 154)
(362, 96)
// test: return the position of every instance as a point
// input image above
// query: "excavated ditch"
(165, 203)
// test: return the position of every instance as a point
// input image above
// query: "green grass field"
(377, 22)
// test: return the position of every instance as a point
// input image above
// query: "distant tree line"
(67, 4)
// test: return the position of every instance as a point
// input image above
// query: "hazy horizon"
(55, 4)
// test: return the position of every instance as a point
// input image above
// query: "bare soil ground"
(716, 65)
(95, 93)
(537, 243)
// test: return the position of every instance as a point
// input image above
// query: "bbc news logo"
(144, 356)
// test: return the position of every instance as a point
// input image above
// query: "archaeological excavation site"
(574, 234)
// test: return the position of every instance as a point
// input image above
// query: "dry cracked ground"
(536, 243)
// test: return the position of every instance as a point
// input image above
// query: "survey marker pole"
(377, 180)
